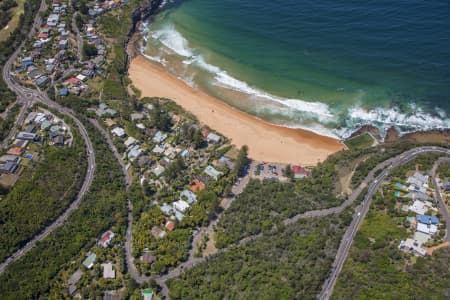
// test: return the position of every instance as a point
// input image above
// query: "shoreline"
(266, 141)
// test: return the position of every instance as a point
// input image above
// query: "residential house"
(213, 138)
(147, 294)
(158, 149)
(134, 152)
(27, 136)
(108, 272)
(9, 158)
(130, 141)
(119, 132)
(157, 232)
(148, 258)
(446, 186)
(136, 116)
(58, 140)
(188, 196)
(158, 170)
(46, 125)
(73, 280)
(15, 151)
(225, 162)
(106, 238)
(427, 219)
(419, 207)
(300, 172)
(63, 92)
(426, 228)
(9, 167)
(159, 137)
(166, 209)
(90, 260)
(212, 172)
(104, 109)
(181, 205)
(170, 226)
(42, 80)
(410, 245)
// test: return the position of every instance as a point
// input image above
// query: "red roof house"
(300, 172)
(197, 186)
(170, 225)
(42, 35)
(15, 151)
(106, 238)
(73, 80)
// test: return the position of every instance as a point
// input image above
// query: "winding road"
(372, 182)
(361, 210)
(28, 97)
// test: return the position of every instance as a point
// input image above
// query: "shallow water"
(326, 66)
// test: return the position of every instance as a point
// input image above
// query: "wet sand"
(266, 142)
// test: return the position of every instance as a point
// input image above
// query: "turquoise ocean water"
(328, 66)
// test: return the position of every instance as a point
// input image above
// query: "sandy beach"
(266, 142)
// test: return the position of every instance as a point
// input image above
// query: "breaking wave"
(315, 116)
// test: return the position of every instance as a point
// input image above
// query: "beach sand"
(266, 142)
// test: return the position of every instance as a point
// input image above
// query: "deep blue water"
(326, 65)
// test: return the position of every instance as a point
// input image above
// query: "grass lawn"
(360, 142)
(12, 24)
(112, 90)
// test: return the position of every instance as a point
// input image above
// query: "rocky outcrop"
(146, 9)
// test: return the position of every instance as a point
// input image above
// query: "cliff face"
(145, 10)
(140, 14)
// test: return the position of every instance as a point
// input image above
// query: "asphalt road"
(347, 240)
(442, 206)
(28, 97)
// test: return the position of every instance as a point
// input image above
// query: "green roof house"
(90, 260)
(46, 125)
(147, 294)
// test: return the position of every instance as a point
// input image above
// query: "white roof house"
(181, 205)
(134, 152)
(158, 149)
(178, 215)
(214, 138)
(189, 196)
(211, 171)
(159, 137)
(108, 272)
(413, 246)
(428, 229)
(130, 141)
(158, 170)
(118, 131)
(166, 209)
(418, 207)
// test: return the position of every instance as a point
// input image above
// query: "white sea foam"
(318, 116)
(172, 39)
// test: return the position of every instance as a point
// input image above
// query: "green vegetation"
(241, 161)
(444, 171)
(41, 195)
(265, 204)
(103, 207)
(361, 141)
(378, 154)
(89, 50)
(376, 268)
(7, 123)
(10, 12)
(289, 263)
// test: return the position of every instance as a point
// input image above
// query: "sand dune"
(266, 142)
